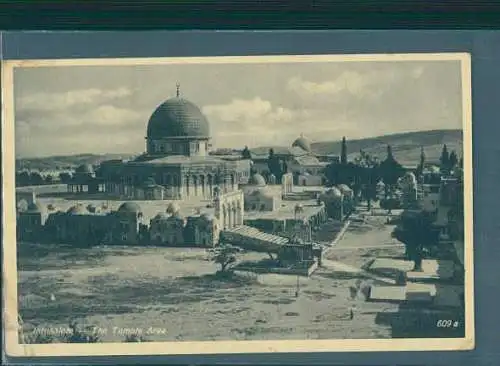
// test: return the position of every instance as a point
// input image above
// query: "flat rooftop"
(149, 209)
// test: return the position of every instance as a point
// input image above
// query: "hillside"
(65, 162)
(405, 146)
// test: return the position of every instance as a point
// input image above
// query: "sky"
(105, 109)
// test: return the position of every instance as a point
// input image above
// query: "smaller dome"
(303, 143)
(334, 192)
(257, 180)
(85, 169)
(264, 193)
(130, 207)
(91, 208)
(173, 208)
(344, 189)
(77, 210)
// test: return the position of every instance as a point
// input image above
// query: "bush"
(81, 334)
(131, 338)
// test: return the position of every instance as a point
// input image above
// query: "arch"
(224, 217)
(203, 185)
(238, 213)
(233, 181)
(187, 185)
(195, 185)
(210, 179)
(168, 180)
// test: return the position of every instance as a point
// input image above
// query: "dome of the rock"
(178, 118)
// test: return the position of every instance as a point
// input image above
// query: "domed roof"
(257, 180)
(264, 193)
(344, 188)
(91, 208)
(77, 210)
(85, 168)
(172, 208)
(131, 207)
(334, 192)
(303, 143)
(178, 118)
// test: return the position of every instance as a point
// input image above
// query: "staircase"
(250, 238)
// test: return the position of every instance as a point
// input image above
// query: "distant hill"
(65, 162)
(405, 146)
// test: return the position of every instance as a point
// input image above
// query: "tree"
(36, 178)
(23, 178)
(420, 168)
(390, 171)
(445, 158)
(343, 152)
(224, 255)
(366, 176)
(416, 233)
(245, 154)
(275, 165)
(49, 179)
(453, 160)
(64, 177)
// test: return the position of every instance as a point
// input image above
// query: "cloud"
(241, 110)
(368, 85)
(242, 119)
(46, 101)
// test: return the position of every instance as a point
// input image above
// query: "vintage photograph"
(270, 199)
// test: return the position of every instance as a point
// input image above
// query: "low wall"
(306, 272)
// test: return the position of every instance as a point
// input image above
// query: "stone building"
(167, 229)
(258, 197)
(202, 230)
(177, 157)
(84, 227)
(84, 180)
(298, 158)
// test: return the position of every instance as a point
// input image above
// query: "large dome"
(178, 118)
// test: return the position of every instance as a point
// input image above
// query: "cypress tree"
(343, 153)
(445, 158)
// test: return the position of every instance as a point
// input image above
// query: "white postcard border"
(12, 346)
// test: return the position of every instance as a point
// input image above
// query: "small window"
(124, 237)
(197, 147)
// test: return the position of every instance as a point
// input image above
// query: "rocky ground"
(172, 293)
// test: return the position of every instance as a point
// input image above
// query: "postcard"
(205, 205)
